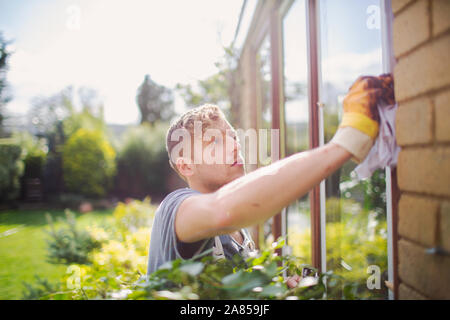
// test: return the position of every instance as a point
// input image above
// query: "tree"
(222, 88)
(5, 97)
(55, 119)
(90, 117)
(154, 101)
(47, 113)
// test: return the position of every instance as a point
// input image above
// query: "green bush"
(31, 145)
(122, 257)
(69, 245)
(142, 165)
(258, 277)
(353, 242)
(203, 277)
(85, 119)
(11, 168)
(40, 289)
(118, 270)
(88, 163)
(34, 156)
(133, 216)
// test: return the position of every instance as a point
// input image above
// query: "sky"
(110, 45)
(350, 46)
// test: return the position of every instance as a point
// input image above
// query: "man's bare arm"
(257, 196)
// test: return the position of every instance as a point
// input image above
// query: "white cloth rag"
(385, 150)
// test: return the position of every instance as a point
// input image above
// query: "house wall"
(421, 40)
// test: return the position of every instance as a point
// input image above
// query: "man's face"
(222, 161)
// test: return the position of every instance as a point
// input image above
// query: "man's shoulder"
(179, 193)
(175, 197)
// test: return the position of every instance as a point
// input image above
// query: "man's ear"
(185, 167)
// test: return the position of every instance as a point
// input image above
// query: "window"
(264, 121)
(355, 211)
(315, 51)
(296, 114)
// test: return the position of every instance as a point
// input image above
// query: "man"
(222, 201)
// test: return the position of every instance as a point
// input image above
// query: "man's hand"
(360, 106)
(293, 281)
(387, 84)
(359, 125)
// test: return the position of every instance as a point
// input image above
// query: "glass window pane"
(355, 211)
(296, 104)
(264, 106)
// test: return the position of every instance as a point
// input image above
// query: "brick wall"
(421, 38)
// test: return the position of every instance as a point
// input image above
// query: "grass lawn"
(23, 247)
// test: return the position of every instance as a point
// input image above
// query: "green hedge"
(88, 163)
(11, 168)
(143, 164)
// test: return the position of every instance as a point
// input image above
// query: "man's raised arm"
(259, 195)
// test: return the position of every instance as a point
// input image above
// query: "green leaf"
(233, 278)
(192, 269)
(242, 281)
(271, 270)
(272, 290)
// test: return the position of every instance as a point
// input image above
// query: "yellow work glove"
(359, 126)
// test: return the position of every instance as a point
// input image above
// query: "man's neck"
(200, 187)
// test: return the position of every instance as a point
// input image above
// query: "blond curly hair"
(208, 114)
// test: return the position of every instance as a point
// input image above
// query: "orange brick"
(441, 16)
(424, 170)
(411, 27)
(424, 69)
(442, 114)
(418, 219)
(445, 226)
(397, 5)
(406, 293)
(414, 122)
(426, 273)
